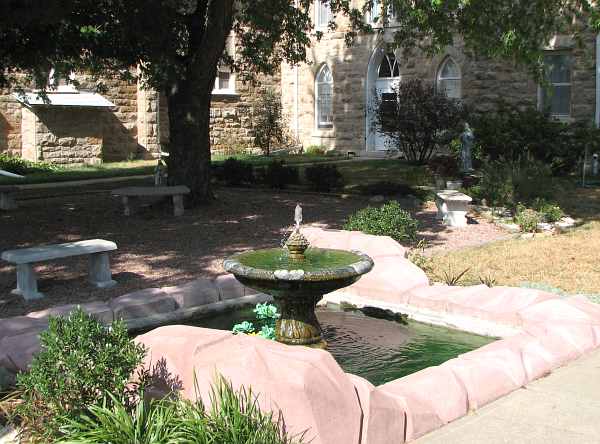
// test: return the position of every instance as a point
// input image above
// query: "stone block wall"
(73, 135)
(231, 115)
(65, 135)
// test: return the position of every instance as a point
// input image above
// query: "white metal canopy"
(75, 99)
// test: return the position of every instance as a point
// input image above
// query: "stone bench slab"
(452, 207)
(132, 193)
(96, 250)
(451, 195)
(151, 191)
(58, 251)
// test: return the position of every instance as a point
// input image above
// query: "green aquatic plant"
(266, 316)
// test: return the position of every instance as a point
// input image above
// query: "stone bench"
(7, 199)
(23, 258)
(130, 193)
(452, 207)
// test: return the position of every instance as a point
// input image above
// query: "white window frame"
(322, 23)
(375, 20)
(541, 88)
(440, 79)
(323, 125)
(230, 91)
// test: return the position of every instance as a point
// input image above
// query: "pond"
(379, 350)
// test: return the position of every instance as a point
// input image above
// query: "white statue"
(298, 216)
(467, 139)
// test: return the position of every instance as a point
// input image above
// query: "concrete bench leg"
(442, 209)
(456, 215)
(27, 283)
(7, 202)
(178, 205)
(100, 275)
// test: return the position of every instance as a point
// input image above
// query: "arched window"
(449, 79)
(323, 98)
(389, 67)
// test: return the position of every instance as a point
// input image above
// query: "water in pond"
(314, 259)
(376, 349)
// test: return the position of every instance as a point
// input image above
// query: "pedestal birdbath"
(297, 276)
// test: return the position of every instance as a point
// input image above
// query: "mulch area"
(156, 249)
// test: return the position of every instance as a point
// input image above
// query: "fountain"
(297, 276)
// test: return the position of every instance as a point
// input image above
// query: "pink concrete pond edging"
(540, 332)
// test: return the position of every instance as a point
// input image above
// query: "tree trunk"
(189, 98)
(189, 144)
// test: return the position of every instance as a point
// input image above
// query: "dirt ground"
(156, 249)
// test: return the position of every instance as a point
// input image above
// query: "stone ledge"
(142, 304)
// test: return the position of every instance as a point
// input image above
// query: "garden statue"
(595, 165)
(467, 138)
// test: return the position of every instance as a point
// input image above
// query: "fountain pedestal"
(298, 324)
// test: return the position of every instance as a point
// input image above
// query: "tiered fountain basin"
(297, 284)
(540, 332)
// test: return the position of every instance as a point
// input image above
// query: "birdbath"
(297, 276)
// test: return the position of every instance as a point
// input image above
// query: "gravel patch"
(157, 249)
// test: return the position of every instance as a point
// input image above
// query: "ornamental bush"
(417, 119)
(551, 212)
(323, 178)
(388, 220)
(235, 172)
(514, 134)
(269, 124)
(23, 167)
(527, 219)
(79, 362)
(278, 175)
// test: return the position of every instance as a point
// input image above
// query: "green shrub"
(504, 183)
(444, 166)
(417, 120)
(235, 172)
(16, 165)
(323, 178)
(388, 220)
(266, 316)
(269, 124)
(315, 150)
(278, 175)
(496, 185)
(387, 188)
(79, 362)
(551, 212)
(527, 219)
(234, 417)
(515, 135)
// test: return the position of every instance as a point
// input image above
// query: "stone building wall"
(66, 135)
(231, 116)
(10, 124)
(484, 83)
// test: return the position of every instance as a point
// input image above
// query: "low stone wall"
(540, 331)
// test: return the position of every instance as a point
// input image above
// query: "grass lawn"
(104, 170)
(144, 167)
(568, 262)
(355, 173)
